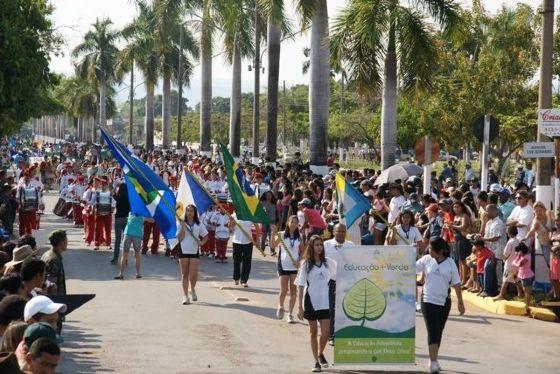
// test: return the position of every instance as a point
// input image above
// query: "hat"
(433, 208)
(20, 254)
(305, 202)
(41, 304)
(222, 197)
(449, 180)
(445, 202)
(495, 187)
(504, 191)
(39, 330)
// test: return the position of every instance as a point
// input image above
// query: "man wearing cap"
(522, 215)
(103, 205)
(33, 333)
(43, 309)
(506, 205)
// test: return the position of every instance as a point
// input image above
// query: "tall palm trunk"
(273, 37)
(102, 108)
(257, 92)
(235, 105)
(389, 103)
(319, 89)
(206, 87)
(166, 109)
(149, 120)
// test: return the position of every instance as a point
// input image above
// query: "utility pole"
(544, 165)
(131, 105)
(256, 96)
(180, 100)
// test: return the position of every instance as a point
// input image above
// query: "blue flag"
(149, 196)
(353, 203)
(190, 192)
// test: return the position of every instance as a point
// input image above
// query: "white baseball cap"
(41, 304)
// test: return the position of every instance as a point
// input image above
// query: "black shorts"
(281, 271)
(311, 314)
(189, 255)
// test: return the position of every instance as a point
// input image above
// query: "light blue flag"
(149, 196)
(191, 192)
(354, 204)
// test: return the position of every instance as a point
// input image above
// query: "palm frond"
(444, 12)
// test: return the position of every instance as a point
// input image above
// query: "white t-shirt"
(332, 248)
(395, 207)
(438, 278)
(239, 237)
(523, 216)
(509, 255)
(189, 245)
(316, 282)
(496, 228)
(413, 235)
(293, 247)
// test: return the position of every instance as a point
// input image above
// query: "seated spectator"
(11, 309)
(33, 275)
(13, 336)
(43, 356)
(43, 309)
(12, 284)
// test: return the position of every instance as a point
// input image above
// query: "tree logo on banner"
(364, 301)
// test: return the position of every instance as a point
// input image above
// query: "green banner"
(375, 305)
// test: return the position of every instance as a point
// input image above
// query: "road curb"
(512, 308)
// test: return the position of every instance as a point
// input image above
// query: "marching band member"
(87, 212)
(221, 222)
(76, 191)
(29, 198)
(103, 205)
(207, 218)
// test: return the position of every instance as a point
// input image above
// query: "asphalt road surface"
(140, 326)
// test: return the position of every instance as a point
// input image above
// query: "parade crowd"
(484, 242)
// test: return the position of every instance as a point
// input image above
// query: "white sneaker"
(418, 307)
(290, 319)
(194, 297)
(280, 313)
(434, 367)
(186, 300)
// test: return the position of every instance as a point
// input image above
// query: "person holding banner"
(290, 244)
(313, 279)
(191, 237)
(440, 274)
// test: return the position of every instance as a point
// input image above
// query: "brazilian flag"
(244, 197)
(149, 196)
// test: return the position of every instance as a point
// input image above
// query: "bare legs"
(189, 273)
(318, 345)
(285, 282)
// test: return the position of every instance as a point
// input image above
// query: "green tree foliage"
(26, 39)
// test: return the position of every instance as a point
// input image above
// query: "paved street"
(140, 326)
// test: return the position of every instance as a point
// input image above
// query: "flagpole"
(183, 225)
(286, 248)
(216, 202)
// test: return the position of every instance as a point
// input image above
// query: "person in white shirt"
(332, 251)
(404, 233)
(397, 201)
(313, 278)
(495, 231)
(103, 205)
(290, 244)
(191, 237)
(242, 250)
(440, 273)
(522, 215)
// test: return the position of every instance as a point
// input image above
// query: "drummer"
(30, 199)
(76, 191)
(103, 206)
(87, 211)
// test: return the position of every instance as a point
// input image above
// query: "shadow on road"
(481, 320)
(81, 350)
(253, 309)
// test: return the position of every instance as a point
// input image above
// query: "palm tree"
(141, 48)
(238, 26)
(98, 56)
(370, 31)
(277, 25)
(316, 12)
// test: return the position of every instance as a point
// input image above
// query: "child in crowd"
(524, 273)
(482, 254)
(220, 220)
(510, 270)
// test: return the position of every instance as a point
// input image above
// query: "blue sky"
(74, 17)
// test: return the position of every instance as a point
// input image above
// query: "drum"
(62, 208)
